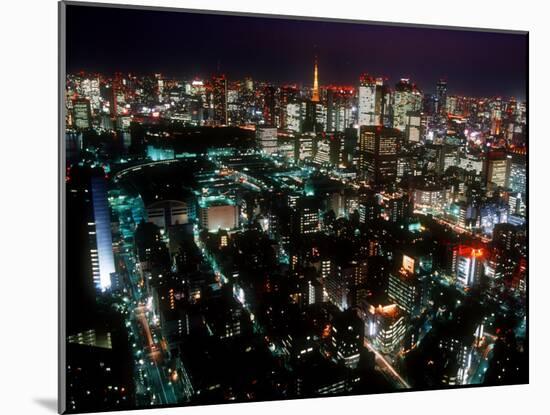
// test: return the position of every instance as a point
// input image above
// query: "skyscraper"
(518, 170)
(441, 97)
(497, 170)
(266, 139)
(407, 98)
(103, 263)
(219, 100)
(370, 100)
(469, 266)
(82, 114)
(378, 153)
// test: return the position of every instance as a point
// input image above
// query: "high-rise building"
(497, 170)
(518, 171)
(398, 209)
(347, 338)
(82, 114)
(266, 139)
(370, 100)
(271, 105)
(304, 147)
(412, 129)
(441, 97)
(307, 216)
(103, 263)
(386, 326)
(406, 99)
(469, 266)
(378, 153)
(294, 116)
(504, 235)
(219, 100)
(517, 205)
(322, 153)
(407, 286)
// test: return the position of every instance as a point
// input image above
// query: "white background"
(28, 227)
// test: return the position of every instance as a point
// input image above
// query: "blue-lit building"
(103, 263)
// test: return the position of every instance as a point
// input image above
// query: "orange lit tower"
(315, 94)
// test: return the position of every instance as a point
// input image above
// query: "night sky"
(185, 45)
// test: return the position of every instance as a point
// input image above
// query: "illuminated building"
(447, 156)
(441, 97)
(378, 153)
(224, 316)
(99, 378)
(233, 107)
(403, 290)
(430, 198)
(266, 139)
(518, 171)
(73, 145)
(219, 100)
(336, 203)
(469, 266)
(103, 263)
(347, 337)
(90, 89)
(335, 142)
(336, 287)
(322, 155)
(470, 162)
(370, 100)
(368, 211)
(294, 116)
(270, 110)
(412, 129)
(499, 265)
(340, 109)
(496, 116)
(406, 98)
(398, 209)
(287, 94)
(490, 215)
(408, 285)
(408, 289)
(516, 204)
(92, 337)
(286, 148)
(504, 235)
(168, 212)
(159, 153)
(304, 147)
(386, 326)
(82, 114)
(314, 293)
(218, 213)
(308, 216)
(315, 117)
(497, 170)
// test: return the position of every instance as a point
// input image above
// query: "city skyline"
(279, 50)
(235, 239)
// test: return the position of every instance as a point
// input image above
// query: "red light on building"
(468, 251)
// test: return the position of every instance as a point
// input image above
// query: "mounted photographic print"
(260, 208)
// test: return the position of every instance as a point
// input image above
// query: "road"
(386, 368)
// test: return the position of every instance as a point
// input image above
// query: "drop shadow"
(48, 403)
